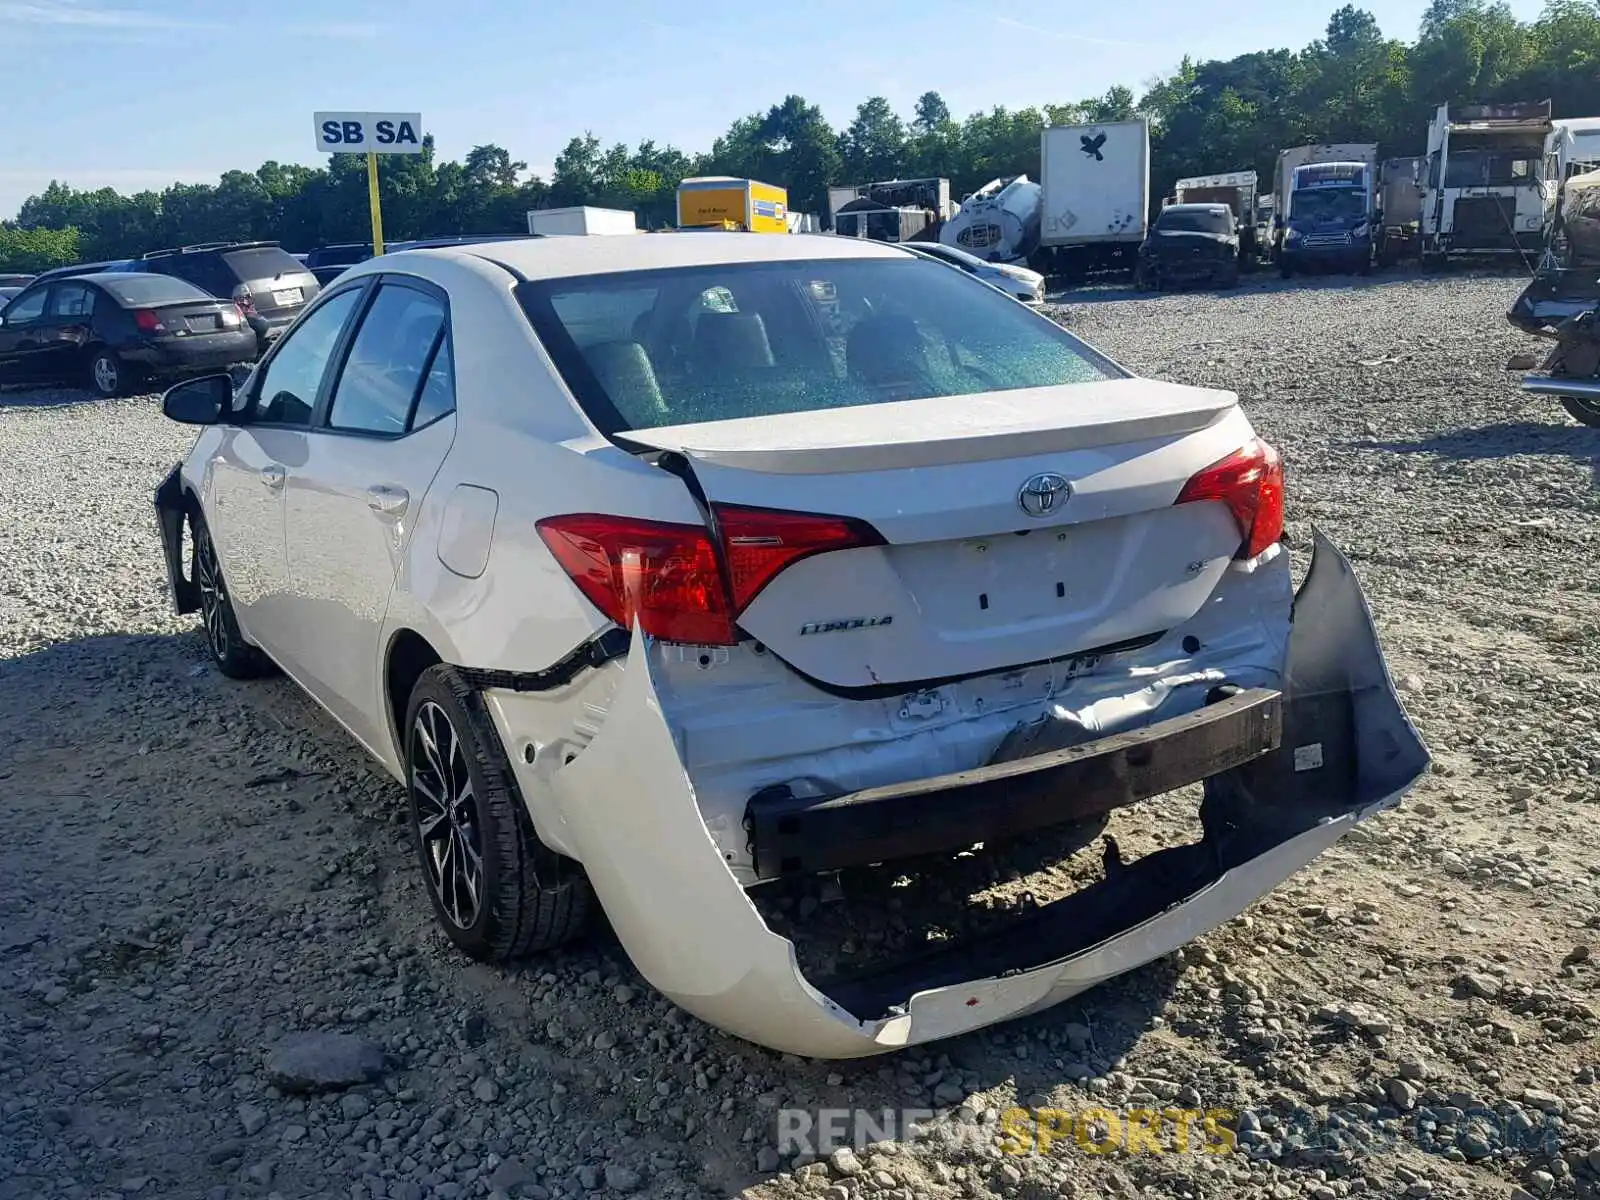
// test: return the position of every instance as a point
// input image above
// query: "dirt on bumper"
(629, 812)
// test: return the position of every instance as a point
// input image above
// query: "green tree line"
(1352, 84)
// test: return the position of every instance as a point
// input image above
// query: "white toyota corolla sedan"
(660, 568)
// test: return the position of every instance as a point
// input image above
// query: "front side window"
(27, 307)
(388, 361)
(291, 380)
(713, 343)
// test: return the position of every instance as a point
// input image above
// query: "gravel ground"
(218, 975)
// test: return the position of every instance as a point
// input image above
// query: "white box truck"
(1095, 202)
(551, 222)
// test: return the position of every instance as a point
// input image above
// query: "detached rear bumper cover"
(629, 812)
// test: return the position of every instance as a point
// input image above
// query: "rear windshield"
(138, 291)
(262, 262)
(1195, 220)
(714, 343)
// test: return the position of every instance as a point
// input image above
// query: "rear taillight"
(231, 317)
(671, 576)
(1250, 482)
(241, 298)
(146, 321)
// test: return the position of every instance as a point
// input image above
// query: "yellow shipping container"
(749, 203)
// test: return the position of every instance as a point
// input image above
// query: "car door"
(66, 330)
(248, 474)
(19, 336)
(384, 427)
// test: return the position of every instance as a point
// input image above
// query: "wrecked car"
(1562, 302)
(655, 587)
(1190, 243)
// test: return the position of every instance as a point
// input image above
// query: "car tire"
(233, 656)
(108, 374)
(497, 891)
(1585, 411)
(1229, 278)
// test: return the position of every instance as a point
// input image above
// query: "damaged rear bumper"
(628, 810)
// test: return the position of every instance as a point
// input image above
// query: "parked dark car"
(327, 263)
(15, 281)
(89, 268)
(113, 330)
(1190, 243)
(269, 284)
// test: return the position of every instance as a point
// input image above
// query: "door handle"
(390, 501)
(272, 476)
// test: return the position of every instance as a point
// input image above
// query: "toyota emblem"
(1043, 494)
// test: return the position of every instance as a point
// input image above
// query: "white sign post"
(371, 134)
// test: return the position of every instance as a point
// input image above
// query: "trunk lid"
(186, 318)
(1018, 526)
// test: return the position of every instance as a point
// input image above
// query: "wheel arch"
(406, 657)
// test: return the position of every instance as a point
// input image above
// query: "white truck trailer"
(1095, 201)
(581, 220)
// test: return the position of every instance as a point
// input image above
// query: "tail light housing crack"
(680, 584)
(1250, 482)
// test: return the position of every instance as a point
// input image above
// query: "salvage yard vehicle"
(1190, 243)
(1562, 302)
(269, 284)
(108, 332)
(1017, 282)
(655, 581)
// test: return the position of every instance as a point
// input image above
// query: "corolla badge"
(1043, 494)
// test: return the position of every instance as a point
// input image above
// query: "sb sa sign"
(369, 133)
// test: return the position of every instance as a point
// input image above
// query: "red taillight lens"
(147, 322)
(761, 542)
(1250, 482)
(669, 575)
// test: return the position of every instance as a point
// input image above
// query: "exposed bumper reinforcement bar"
(1548, 385)
(798, 834)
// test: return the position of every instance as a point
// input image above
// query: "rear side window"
(390, 359)
(71, 300)
(713, 343)
(439, 388)
(260, 262)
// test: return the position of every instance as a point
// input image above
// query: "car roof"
(558, 257)
(1197, 207)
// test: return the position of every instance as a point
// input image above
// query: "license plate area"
(286, 296)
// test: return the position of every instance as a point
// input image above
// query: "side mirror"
(198, 401)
